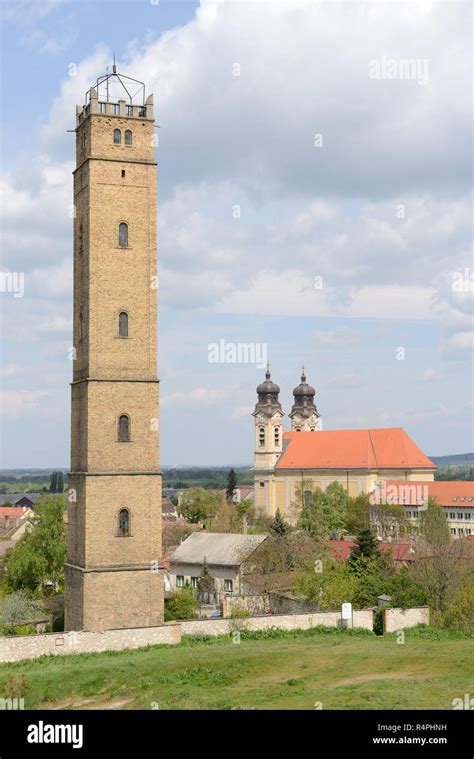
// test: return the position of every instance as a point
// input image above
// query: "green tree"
(460, 610)
(279, 527)
(231, 484)
(441, 564)
(36, 563)
(325, 513)
(60, 483)
(357, 515)
(366, 546)
(405, 590)
(328, 588)
(53, 484)
(198, 504)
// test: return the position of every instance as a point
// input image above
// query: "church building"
(288, 466)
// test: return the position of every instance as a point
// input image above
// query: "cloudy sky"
(314, 198)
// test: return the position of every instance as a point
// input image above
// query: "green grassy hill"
(267, 670)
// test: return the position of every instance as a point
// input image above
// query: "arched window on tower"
(128, 137)
(124, 429)
(123, 324)
(277, 436)
(124, 523)
(117, 136)
(123, 235)
(81, 326)
(261, 436)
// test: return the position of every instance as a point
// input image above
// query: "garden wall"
(18, 647)
(362, 619)
(398, 619)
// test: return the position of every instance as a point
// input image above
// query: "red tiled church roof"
(388, 448)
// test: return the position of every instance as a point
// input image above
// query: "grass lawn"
(341, 669)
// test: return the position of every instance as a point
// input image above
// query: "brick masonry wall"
(31, 646)
(399, 619)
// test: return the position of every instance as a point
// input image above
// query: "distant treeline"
(211, 477)
(455, 473)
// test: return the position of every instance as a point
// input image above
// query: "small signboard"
(346, 611)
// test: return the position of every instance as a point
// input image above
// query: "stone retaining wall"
(362, 619)
(18, 647)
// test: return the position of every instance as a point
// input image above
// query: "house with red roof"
(402, 553)
(13, 521)
(456, 497)
(290, 465)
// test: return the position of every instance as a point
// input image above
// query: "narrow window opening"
(124, 429)
(124, 523)
(123, 235)
(123, 324)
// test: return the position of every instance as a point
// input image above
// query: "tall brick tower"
(113, 572)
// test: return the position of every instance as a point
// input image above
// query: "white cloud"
(204, 396)
(12, 370)
(17, 403)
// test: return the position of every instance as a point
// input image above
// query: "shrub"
(19, 609)
(460, 612)
(181, 604)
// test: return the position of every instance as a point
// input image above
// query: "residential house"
(225, 555)
(26, 500)
(243, 493)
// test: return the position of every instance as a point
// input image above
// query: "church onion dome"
(268, 386)
(304, 405)
(303, 389)
(268, 402)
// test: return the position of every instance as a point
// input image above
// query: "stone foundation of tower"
(111, 599)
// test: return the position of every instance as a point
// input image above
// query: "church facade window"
(124, 428)
(123, 235)
(277, 436)
(307, 497)
(128, 137)
(261, 436)
(123, 324)
(124, 523)
(117, 136)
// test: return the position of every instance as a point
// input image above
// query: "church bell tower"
(268, 415)
(304, 415)
(114, 575)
